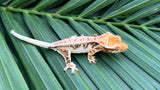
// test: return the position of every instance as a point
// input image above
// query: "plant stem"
(74, 18)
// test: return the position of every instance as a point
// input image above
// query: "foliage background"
(24, 66)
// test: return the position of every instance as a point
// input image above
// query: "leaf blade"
(32, 60)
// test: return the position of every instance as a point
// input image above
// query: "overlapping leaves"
(43, 69)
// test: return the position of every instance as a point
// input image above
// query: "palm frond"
(136, 21)
(11, 76)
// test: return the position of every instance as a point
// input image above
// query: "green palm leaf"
(24, 66)
(11, 77)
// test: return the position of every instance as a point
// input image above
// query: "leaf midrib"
(75, 18)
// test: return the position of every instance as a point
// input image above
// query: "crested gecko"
(83, 44)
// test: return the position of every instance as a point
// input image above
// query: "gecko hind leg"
(67, 55)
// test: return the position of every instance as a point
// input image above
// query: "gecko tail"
(31, 41)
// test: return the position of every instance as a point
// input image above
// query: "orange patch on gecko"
(81, 39)
(60, 42)
(75, 40)
(103, 39)
(91, 39)
(109, 40)
(87, 38)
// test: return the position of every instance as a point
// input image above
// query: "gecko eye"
(117, 48)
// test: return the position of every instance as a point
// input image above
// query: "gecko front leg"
(67, 55)
(91, 58)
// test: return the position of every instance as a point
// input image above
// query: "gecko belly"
(81, 50)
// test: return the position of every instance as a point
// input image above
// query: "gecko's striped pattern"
(84, 44)
(75, 40)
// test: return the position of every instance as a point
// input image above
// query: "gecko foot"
(92, 60)
(72, 66)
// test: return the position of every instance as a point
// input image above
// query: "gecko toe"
(92, 59)
(65, 69)
(73, 72)
(77, 69)
(72, 66)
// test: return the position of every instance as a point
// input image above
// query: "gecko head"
(112, 44)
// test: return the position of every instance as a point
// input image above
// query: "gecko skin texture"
(83, 44)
